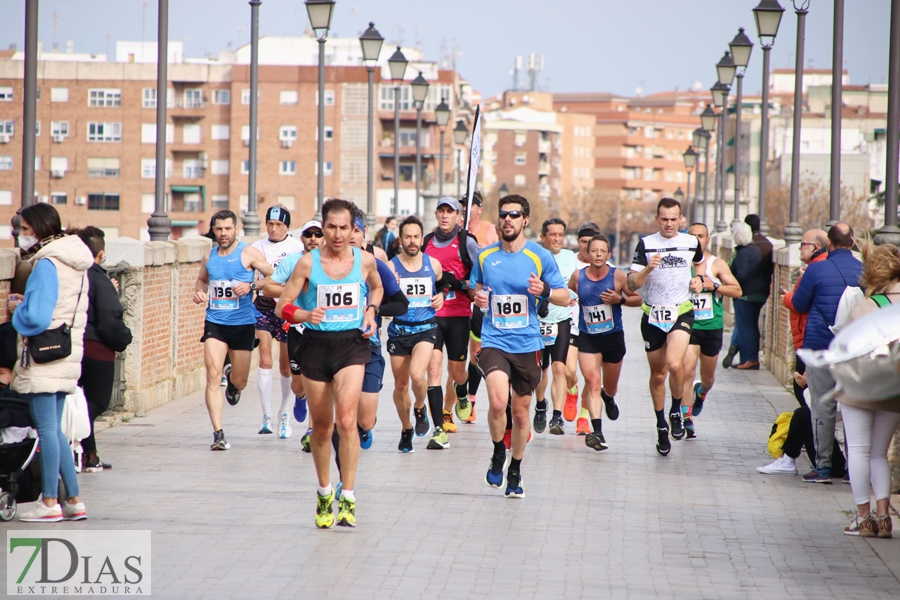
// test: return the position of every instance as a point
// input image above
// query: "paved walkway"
(624, 523)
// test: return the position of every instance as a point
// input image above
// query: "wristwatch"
(715, 286)
(374, 306)
(252, 286)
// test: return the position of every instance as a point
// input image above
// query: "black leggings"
(800, 436)
(97, 382)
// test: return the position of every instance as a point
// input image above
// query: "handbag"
(53, 344)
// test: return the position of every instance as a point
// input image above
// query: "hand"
(316, 316)
(655, 261)
(437, 301)
(800, 378)
(696, 285)
(369, 326)
(13, 301)
(611, 297)
(535, 285)
(115, 282)
(482, 297)
(241, 289)
(573, 300)
(200, 297)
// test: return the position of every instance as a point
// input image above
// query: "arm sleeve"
(698, 254)
(398, 305)
(639, 261)
(472, 249)
(35, 314)
(740, 266)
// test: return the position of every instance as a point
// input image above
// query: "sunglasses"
(513, 214)
(309, 234)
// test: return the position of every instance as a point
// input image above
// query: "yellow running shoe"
(439, 441)
(346, 512)
(463, 409)
(448, 425)
(324, 513)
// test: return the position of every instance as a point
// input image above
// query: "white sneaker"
(266, 425)
(74, 512)
(781, 466)
(41, 513)
(284, 428)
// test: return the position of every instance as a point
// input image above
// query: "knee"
(558, 369)
(675, 367)
(346, 423)
(657, 378)
(417, 379)
(521, 416)
(593, 382)
(402, 387)
(265, 362)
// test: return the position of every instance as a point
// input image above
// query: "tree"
(814, 207)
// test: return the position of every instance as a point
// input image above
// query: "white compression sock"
(264, 383)
(287, 396)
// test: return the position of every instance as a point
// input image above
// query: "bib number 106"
(334, 299)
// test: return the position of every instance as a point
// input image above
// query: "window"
(219, 201)
(221, 97)
(287, 167)
(6, 163)
(103, 202)
(288, 133)
(219, 167)
(6, 197)
(245, 132)
(148, 133)
(6, 93)
(407, 137)
(519, 181)
(329, 98)
(245, 167)
(103, 167)
(59, 94)
(329, 135)
(520, 158)
(329, 170)
(387, 98)
(37, 163)
(37, 128)
(289, 202)
(289, 97)
(148, 98)
(520, 138)
(105, 98)
(104, 132)
(59, 164)
(193, 99)
(8, 127)
(192, 169)
(58, 198)
(191, 134)
(148, 168)
(245, 96)
(220, 132)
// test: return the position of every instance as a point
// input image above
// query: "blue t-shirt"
(224, 307)
(419, 287)
(285, 268)
(511, 322)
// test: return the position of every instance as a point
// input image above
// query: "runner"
(601, 289)
(662, 267)
(706, 335)
(337, 291)
(455, 250)
(275, 247)
(511, 340)
(225, 284)
(556, 329)
(411, 336)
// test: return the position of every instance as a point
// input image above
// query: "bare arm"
(376, 292)
(291, 291)
(631, 298)
(201, 287)
(573, 282)
(730, 286)
(252, 258)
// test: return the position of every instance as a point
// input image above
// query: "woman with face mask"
(56, 298)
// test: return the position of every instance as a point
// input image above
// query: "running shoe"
(447, 423)
(818, 476)
(219, 442)
(406, 438)
(305, 441)
(438, 441)
(885, 526)
(582, 426)
(266, 425)
(365, 438)
(471, 418)
(784, 465)
(612, 409)
(463, 409)
(422, 424)
(515, 486)
(729, 357)
(689, 432)
(677, 423)
(663, 445)
(284, 427)
(540, 419)
(570, 410)
(596, 441)
(41, 513)
(92, 466)
(862, 526)
(324, 512)
(73, 512)
(699, 399)
(495, 477)
(346, 512)
(557, 426)
(300, 408)
(232, 394)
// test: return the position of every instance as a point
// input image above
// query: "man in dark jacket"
(752, 267)
(105, 334)
(819, 294)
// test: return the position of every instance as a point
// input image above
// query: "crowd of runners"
(520, 316)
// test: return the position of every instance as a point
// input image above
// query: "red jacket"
(798, 319)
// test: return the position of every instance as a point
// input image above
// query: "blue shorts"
(372, 382)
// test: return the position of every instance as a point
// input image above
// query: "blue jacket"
(820, 292)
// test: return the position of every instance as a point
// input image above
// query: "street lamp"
(460, 133)
(419, 87)
(725, 69)
(679, 195)
(701, 140)
(503, 191)
(159, 226)
(890, 233)
(397, 65)
(442, 116)
(320, 12)
(250, 218)
(740, 46)
(720, 99)
(690, 159)
(792, 232)
(371, 42)
(768, 17)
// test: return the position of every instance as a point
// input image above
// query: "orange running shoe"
(570, 410)
(448, 425)
(471, 418)
(583, 426)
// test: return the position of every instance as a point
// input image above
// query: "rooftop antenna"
(535, 66)
(56, 32)
(517, 66)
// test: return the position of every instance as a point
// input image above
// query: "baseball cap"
(477, 200)
(310, 225)
(587, 228)
(453, 203)
(277, 213)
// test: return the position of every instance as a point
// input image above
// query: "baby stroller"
(20, 473)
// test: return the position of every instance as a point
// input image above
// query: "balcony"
(544, 146)
(544, 167)
(188, 108)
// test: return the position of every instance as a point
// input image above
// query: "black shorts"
(454, 333)
(372, 382)
(323, 353)
(293, 341)
(709, 340)
(403, 345)
(523, 370)
(655, 338)
(610, 345)
(475, 323)
(559, 351)
(267, 321)
(236, 337)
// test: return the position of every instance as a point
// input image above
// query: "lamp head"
(397, 65)
(708, 119)
(460, 132)
(371, 42)
(419, 89)
(725, 69)
(320, 12)
(442, 113)
(740, 48)
(690, 158)
(768, 17)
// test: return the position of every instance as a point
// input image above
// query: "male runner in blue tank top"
(338, 290)
(509, 278)
(225, 284)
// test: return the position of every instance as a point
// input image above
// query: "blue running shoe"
(365, 438)
(495, 477)
(338, 489)
(300, 408)
(515, 487)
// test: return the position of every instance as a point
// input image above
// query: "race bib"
(222, 296)
(549, 331)
(451, 295)
(703, 306)
(663, 316)
(509, 311)
(417, 290)
(340, 302)
(598, 318)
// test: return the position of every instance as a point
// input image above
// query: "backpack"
(779, 434)
(881, 300)
(461, 238)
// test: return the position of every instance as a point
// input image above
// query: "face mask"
(26, 242)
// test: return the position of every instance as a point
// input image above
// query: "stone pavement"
(624, 523)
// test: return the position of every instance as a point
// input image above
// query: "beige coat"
(72, 260)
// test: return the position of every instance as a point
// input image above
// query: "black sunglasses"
(309, 234)
(515, 214)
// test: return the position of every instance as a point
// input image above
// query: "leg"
(590, 369)
(691, 358)
(521, 410)
(240, 367)
(321, 409)
(796, 437)
(418, 365)
(264, 371)
(676, 347)
(458, 376)
(657, 362)
(883, 428)
(347, 386)
(611, 372)
(558, 385)
(214, 353)
(66, 461)
(541, 390)
(823, 413)
(707, 371)
(97, 382)
(497, 383)
(572, 366)
(752, 329)
(284, 368)
(43, 412)
(858, 424)
(400, 369)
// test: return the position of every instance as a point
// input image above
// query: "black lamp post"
(792, 232)
(397, 65)
(720, 99)
(701, 140)
(320, 13)
(371, 42)
(740, 46)
(690, 159)
(890, 233)
(442, 116)
(460, 133)
(419, 87)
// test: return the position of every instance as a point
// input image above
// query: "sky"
(616, 46)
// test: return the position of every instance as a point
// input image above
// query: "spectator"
(818, 296)
(56, 294)
(766, 249)
(799, 437)
(105, 334)
(386, 235)
(755, 279)
(869, 426)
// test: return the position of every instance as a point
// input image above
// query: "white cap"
(310, 225)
